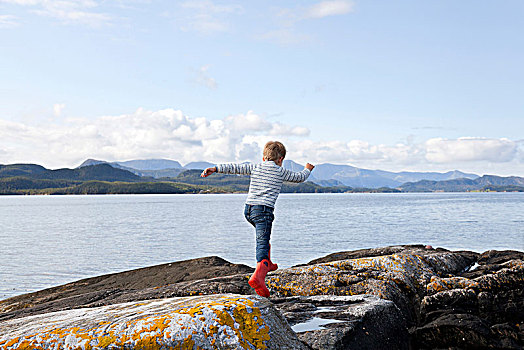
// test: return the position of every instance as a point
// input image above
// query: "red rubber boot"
(258, 280)
(272, 267)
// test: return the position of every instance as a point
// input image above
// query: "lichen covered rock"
(396, 297)
(200, 276)
(400, 277)
(482, 310)
(210, 322)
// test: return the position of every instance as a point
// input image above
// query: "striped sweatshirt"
(266, 180)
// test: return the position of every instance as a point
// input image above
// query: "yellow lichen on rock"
(386, 276)
(437, 284)
(209, 322)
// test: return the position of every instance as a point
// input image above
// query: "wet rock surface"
(345, 322)
(398, 297)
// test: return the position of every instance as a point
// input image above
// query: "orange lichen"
(237, 317)
(369, 275)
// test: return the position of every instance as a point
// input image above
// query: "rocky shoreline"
(397, 297)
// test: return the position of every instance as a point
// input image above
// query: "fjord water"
(51, 240)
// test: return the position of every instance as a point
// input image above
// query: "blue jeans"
(261, 217)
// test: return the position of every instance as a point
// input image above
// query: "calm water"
(51, 240)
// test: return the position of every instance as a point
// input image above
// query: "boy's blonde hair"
(274, 150)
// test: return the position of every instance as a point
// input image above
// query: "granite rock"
(204, 322)
(398, 297)
(345, 322)
(400, 277)
(209, 275)
(483, 310)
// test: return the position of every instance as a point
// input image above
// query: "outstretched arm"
(242, 169)
(300, 176)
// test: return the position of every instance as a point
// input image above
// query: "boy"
(264, 187)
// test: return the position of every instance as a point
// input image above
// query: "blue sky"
(397, 85)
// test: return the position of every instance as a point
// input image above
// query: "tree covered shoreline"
(31, 179)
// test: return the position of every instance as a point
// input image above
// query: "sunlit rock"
(397, 297)
(210, 322)
(400, 277)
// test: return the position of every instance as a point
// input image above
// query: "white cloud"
(253, 122)
(205, 24)
(23, 2)
(58, 108)
(289, 16)
(520, 150)
(206, 17)
(8, 21)
(67, 11)
(247, 122)
(357, 152)
(204, 79)
(278, 129)
(286, 34)
(170, 134)
(468, 149)
(250, 151)
(478, 155)
(329, 8)
(165, 133)
(209, 7)
(77, 17)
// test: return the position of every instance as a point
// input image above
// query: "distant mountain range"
(100, 172)
(324, 174)
(103, 178)
(484, 183)
(94, 177)
(156, 168)
(357, 177)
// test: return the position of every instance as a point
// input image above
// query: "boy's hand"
(310, 166)
(208, 171)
